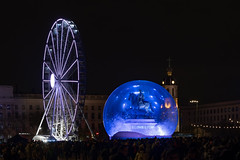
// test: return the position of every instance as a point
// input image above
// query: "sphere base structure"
(140, 109)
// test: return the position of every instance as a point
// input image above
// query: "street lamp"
(196, 112)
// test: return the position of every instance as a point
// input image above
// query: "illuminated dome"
(140, 109)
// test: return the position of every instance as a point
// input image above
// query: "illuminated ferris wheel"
(63, 79)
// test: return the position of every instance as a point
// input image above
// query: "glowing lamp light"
(52, 80)
(140, 109)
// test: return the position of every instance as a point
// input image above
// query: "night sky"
(126, 41)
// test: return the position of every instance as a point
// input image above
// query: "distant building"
(221, 118)
(93, 111)
(18, 113)
(22, 113)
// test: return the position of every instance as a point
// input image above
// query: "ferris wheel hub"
(52, 80)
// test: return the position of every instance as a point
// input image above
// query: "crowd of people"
(181, 148)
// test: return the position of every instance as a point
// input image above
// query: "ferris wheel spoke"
(54, 108)
(69, 68)
(50, 101)
(50, 55)
(54, 51)
(73, 42)
(57, 41)
(63, 111)
(67, 106)
(69, 81)
(49, 68)
(44, 97)
(68, 93)
(60, 53)
(65, 46)
(77, 92)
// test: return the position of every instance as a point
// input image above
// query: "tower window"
(173, 82)
(173, 92)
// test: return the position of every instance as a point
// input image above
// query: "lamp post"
(196, 112)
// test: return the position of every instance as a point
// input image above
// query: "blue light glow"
(140, 109)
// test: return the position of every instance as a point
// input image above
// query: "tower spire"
(169, 69)
(169, 62)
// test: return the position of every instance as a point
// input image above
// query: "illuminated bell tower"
(169, 83)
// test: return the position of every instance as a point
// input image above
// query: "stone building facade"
(22, 113)
(221, 118)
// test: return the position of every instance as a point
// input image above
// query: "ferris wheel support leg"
(92, 134)
(39, 127)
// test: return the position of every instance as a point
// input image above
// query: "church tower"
(170, 84)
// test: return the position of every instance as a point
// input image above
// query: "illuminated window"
(162, 82)
(173, 82)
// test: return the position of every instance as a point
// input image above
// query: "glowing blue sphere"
(140, 109)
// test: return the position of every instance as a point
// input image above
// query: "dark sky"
(126, 41)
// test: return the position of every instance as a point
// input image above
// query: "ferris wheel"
(63, 79)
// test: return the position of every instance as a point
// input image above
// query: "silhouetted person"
(122, 153)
